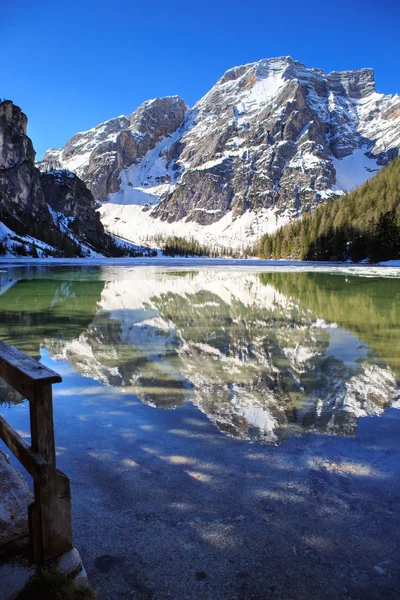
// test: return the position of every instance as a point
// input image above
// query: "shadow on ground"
(165, 506)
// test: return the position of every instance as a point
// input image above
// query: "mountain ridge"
(268, 143)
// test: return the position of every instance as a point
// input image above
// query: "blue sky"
(73, 64)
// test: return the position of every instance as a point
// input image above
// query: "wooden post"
(50, 522)
(50, 515)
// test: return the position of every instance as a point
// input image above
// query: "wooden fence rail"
(50, 524)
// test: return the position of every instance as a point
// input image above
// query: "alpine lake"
(184, 382)
(264, 355)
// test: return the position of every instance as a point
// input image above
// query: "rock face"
(269, 142)
(53, 211)
(21, 194)
(99, 155)
(68, 195)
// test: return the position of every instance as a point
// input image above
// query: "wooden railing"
(50, 524)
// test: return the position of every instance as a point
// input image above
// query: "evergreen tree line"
(364, 224)
(179, 246)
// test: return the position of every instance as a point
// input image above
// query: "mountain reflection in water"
(263, 356)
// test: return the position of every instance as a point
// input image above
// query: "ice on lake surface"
(264, 355)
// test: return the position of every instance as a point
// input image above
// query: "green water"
(263, 355)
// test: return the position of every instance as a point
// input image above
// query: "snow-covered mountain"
(269, 141)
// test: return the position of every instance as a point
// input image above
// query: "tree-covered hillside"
(364, 224)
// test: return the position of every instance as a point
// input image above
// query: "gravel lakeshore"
(165, 506)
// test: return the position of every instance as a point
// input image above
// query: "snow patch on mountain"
(144, 182)
(353, 170)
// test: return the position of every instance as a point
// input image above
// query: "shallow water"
(264, 356)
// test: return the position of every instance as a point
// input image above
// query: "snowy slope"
(132, 222)
(23, 245)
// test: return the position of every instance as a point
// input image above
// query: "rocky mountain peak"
(10, 113)
(99, 154)
(15, 146)
(259, 68)
(160, 116)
